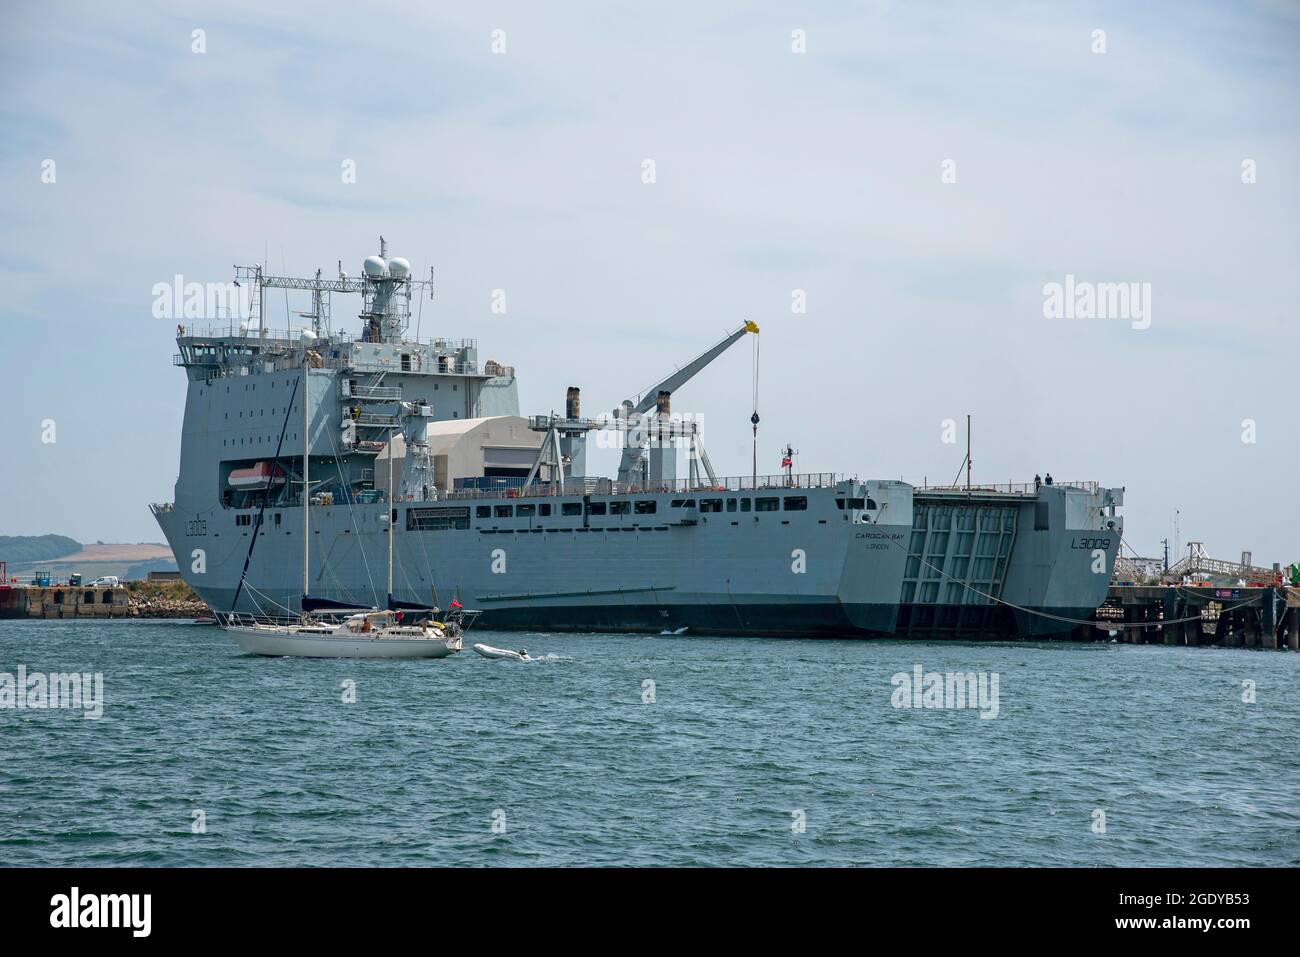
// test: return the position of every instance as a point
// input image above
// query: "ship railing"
(1009, 488)
(377, 393)
(251, 334)
(231, 330)
(458, 368)
(246, 619)
(606, 486)
(376, 420)
(364, 363)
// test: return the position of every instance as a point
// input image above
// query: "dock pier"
(64, 601)
(1249, 616)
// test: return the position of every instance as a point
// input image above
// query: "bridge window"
(504, 511)
(744, 505)
(796, 503)
(731, 505)
(525, 511)
(620, 508)
(767, 504)
(483, 511)
(544, 509)
(436, 519)
(646, 506)
(570, 508)
(710, 505)
(597, 508)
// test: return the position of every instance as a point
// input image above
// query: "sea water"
(648, 750)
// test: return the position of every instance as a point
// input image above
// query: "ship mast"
(391, 516)
(306, 486)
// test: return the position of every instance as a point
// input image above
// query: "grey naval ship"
(493, 510)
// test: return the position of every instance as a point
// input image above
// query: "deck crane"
(642, 462)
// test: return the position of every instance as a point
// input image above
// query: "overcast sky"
(774, 171)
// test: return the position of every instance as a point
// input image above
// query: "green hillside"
(16, 549)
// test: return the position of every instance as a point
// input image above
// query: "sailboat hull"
(280, 644)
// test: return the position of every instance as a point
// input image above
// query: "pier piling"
(1250, 616)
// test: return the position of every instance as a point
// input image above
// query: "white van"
(109, 581)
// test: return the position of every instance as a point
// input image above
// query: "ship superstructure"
(498, 510)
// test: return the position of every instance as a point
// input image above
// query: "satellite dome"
(375, 267)
(308, 337)
(399, 268)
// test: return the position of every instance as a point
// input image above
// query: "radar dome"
(399, 268)
(375, 267)
(308, 337)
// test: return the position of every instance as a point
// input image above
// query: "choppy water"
(741, 736)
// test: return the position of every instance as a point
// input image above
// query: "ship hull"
(1031, 566)
(791, 618)
(984, 564)
(820, 571)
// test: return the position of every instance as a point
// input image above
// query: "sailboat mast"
(391, 517)
(306, 486)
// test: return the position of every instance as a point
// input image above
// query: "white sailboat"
(369, 633)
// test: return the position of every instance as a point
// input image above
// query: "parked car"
(110, 581)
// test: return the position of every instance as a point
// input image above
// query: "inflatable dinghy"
(487, 651)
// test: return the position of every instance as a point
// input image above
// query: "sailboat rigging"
(368, 633)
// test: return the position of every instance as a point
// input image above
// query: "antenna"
(753, 419)
(965, 462)
(968, 462)
(288, 316)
